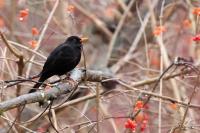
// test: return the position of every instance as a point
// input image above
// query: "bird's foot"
(67, 76)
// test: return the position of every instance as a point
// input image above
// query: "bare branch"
(77, 75)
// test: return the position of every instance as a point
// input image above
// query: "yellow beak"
(84, 39)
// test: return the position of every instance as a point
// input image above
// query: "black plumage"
(61, 60)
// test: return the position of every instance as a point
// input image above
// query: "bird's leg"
(67, 76)
(70, 80)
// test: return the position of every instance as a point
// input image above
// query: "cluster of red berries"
(196, 11)
(141, 118)
(158, 30)
(131, 124)
(23, 15)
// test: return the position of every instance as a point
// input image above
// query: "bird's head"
(75, 40)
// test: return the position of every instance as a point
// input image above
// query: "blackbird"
(61, 60)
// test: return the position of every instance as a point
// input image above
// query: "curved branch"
(62, 88)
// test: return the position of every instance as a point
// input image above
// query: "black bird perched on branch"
(61, 60)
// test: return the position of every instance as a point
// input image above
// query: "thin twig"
(27, 129)
(97, 106)
(20, 64)
(49, 116)
(13, 50)
(161, 71)
(145, 40)
(16, 119)
(99, 24)
(118, 29)
(28, 49)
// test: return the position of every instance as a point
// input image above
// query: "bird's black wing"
(62, 54)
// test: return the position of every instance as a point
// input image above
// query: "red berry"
(131, 124)
(35, 31)
(139, 104)
(23, 14)
(143, 127)
(196, 38)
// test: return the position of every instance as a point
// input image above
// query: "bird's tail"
(37, 85)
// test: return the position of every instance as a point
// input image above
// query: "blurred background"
(134, 40)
